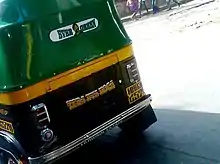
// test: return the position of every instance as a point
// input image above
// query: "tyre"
(139, 122)
(5, 158)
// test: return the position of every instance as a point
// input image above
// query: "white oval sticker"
(88, 25)
(71, 30)
(62, 33)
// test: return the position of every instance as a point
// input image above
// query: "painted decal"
(73, 29)
(7, 126)
(79, 101)
(135, 92)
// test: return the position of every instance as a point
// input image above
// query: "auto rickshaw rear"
(68, 75)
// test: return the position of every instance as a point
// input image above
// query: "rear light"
(42, 119)
(41, 115)
(132, 70)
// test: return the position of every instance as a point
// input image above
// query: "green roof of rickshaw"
(28, 54)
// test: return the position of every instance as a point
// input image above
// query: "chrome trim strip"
(41, 105)
(42, 120)
(48, 116)
(90, 135)
(41, 114)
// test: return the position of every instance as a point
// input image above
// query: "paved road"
(177, 54)
(179, 137)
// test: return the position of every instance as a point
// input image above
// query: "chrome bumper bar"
(90, 135)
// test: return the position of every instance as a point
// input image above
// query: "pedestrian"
(136, 7)
(169, 5)
(133, 6)
(154, 6)
(143, 3)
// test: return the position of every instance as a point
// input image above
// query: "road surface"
(177, 53)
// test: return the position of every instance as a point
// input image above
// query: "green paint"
(27, 55)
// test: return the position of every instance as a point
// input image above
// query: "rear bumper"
(56, 154)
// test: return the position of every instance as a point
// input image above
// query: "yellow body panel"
(63, 79)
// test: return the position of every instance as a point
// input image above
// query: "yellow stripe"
(65, 78)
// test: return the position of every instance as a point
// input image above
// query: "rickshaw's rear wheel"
(5, 158)
(140, 122)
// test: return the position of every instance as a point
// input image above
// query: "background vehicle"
(68, 74)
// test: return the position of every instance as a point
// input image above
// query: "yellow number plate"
(7, 126)
(135, 92)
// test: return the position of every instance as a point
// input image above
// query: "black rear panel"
(69, 124)
(67, 121)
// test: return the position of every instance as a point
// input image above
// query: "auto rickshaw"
(68, 74)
